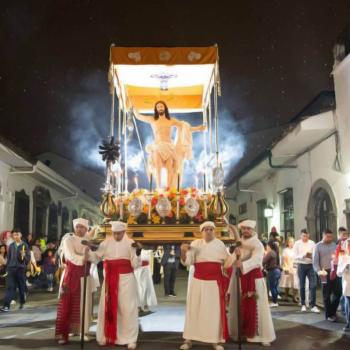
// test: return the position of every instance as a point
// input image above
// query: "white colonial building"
(303, 180)
(38, 199)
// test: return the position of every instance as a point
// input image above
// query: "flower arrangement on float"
(186, 206)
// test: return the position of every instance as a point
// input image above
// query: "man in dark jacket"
(170, 262)
(18, 257)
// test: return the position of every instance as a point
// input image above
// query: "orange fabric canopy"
(181, 76)
(164, 55)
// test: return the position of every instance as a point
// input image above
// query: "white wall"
(312, 166)
(17, 182)
(341, 76)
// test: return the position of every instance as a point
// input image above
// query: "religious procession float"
(151, 85)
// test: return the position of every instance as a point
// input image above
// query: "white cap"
(118, 226)
(81, 221)
(247, 223)
(206, 224)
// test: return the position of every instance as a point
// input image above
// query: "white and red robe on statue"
(118, 308)
(143, 274)
(256, 320)
(71, 290)
(205, 307)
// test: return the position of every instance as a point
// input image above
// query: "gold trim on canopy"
(164, 55)
(181, 76)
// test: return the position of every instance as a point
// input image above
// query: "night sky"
(275, 56)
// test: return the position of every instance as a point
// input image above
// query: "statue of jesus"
(163, 152)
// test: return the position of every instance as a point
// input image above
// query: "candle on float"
(178, 182)
(205, 182)
(136, 183)
(150, 182)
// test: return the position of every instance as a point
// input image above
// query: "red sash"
(68, 308)
(113, 268)
(248, 303)
(212, 271)
(145, 262)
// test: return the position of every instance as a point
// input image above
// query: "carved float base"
(165, 233)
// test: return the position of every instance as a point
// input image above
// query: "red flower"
(154, 201)
(182, 201)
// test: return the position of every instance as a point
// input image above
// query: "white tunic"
(127, 316)
(203, 316)
(145, 287)
(289, 278)
(252, 253)
(71, 249)
(344, 272)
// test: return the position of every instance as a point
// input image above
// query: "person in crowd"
(33, 270)
(69, 311)
(49, 268)
(118, 309)
(343, 271)
(3, 261)
(271, 265)
(289, 278)
(206, 319)
(145, 287)
(158, 253)
(18, 258)
(331, 289)
(30, 239)
(343, 235)
(256, 319)
(8, 238)
(303, 251)
(170, 262)
(36, 248)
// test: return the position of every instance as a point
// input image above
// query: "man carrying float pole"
(69, 309)
(256, 321)
(205, 308)
(118, 310)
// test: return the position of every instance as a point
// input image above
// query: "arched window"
(322, 211)
(41, 201)
(53, 223)
(65, 221)
(21, 214)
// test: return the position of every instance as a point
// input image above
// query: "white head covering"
(118, 226)
(345, 246)
(81, 221)
(247, 223)
(206, 224)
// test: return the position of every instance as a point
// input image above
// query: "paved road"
(33, 327)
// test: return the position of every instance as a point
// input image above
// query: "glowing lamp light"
(268, 212)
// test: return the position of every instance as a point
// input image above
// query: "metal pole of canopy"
(205, 177)
(119, 140)
(119, 121)
(125, 151)
(210, 128)
(216, 118)
(140, 143)
(112, 114)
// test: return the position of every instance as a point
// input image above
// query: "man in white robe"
(256, 320)
(145, 287)
(69, 309)
(205, 308)
(118, 309)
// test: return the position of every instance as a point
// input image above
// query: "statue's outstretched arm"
(198, 128)
(142, 117)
